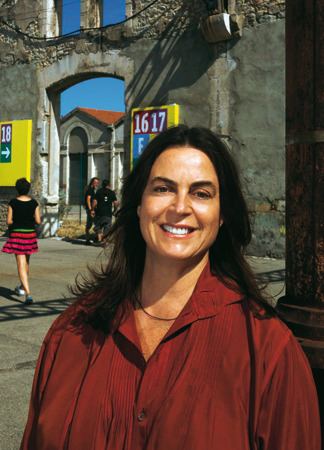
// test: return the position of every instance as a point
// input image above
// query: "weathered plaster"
(257, 121)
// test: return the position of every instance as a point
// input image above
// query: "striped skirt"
(21, 242)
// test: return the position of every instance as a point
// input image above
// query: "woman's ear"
(138, 210)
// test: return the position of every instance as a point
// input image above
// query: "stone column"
(303, 306)
(51, 17)
(50, 216)
(91, 13)
(54, 151)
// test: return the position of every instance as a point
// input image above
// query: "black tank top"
(23, 213)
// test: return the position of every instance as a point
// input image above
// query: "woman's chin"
(175, 256)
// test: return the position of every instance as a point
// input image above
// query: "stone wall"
(261, 11)
(236, 88)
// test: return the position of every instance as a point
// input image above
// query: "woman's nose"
(181, 203)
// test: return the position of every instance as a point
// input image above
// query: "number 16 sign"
(147, 123)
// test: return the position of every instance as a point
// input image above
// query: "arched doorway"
(78, 168)
(54, 152)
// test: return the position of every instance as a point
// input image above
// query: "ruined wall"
(236, 88)
(257, 128)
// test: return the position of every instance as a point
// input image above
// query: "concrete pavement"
(22, 328)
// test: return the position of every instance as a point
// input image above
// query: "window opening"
(114, 11)
(71, 11)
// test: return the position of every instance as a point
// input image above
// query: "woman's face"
(180, 208)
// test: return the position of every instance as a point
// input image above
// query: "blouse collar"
(209, 297)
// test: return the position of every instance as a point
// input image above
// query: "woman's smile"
(177, 230)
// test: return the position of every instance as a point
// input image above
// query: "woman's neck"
(168, 287)
(23, 197)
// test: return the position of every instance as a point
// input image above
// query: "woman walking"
(23, 214)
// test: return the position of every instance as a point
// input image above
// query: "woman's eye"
(203, 194)
(161, 189)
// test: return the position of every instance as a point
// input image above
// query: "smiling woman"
(172, 345)
(180, 209)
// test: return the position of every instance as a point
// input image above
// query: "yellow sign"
(147, 123)
(15, 151)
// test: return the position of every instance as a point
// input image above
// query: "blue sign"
(139, 143)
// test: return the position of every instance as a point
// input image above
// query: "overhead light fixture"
(221, 27)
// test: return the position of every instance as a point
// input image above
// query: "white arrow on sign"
(6, 152)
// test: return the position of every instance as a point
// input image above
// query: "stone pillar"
(91, 13)
(90, 165)
(50, 220)
(54, 151)
(303, 306)
(51, 15)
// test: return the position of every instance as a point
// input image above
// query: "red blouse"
(218, 373)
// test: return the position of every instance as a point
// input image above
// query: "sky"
(99, 93)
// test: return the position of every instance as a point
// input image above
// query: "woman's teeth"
(174, 230)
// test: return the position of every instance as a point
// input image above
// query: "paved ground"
(23, 328)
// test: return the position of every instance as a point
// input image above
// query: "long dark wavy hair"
(105, 291)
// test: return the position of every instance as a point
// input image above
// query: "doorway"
(78, 167)
(77, 178)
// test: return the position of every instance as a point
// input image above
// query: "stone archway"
(54, 79)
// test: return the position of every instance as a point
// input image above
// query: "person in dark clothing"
(23, 215)
(104, 202)
(88, 199)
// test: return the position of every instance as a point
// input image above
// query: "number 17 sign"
(147, 123)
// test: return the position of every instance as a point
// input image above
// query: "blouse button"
(141, 416)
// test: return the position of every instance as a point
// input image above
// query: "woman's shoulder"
(273, 341)
(34, 203)
(21, 201)
(71, 321)
(271, 330)
(13, 202)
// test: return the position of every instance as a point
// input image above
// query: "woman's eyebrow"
(203, 183)
(164, 180)
(195, 184)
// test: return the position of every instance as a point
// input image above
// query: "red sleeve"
(43, 369)
(289, 416)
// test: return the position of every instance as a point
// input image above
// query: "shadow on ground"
(272, 276)
(38, 309)
(9, 294)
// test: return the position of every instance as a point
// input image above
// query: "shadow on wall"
(49, 225)
(177, 60)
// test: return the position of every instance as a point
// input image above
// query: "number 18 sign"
(147, 123)
(15, 151)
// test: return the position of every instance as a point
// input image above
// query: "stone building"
(235, 87)
(92, 145)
